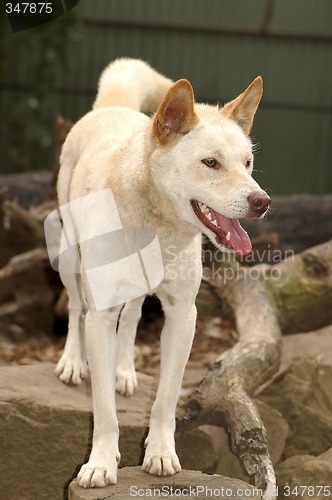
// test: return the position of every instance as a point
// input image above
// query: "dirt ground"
(213, 336)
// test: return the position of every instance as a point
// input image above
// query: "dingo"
(183, 172)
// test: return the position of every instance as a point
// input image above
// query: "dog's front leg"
(176, 340)
(102, 347)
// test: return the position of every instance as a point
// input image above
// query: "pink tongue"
(239, 240)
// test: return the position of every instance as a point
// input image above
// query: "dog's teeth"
(214, 222)
(228, 236)
(209, 216)
(204, 209)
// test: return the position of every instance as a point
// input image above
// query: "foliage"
(32, 64)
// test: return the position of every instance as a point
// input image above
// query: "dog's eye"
(248, 163)
(211, 163)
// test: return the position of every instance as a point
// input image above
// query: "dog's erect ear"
(244, 107)
(175, 114)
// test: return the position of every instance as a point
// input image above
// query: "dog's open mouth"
(229, 232)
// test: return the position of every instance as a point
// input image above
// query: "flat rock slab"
(317, 344)
(46, 429)
(133, 482)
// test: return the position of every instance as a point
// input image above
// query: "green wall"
(220, 46)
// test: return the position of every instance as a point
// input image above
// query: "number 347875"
(29, 8)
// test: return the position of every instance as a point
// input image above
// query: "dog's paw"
(93, 475)
(71, 369)
(126, 381)
(160, 462)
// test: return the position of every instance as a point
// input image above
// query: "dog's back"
(131, 83)
(125, 84)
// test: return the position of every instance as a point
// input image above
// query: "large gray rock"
(306, 477)
(303, 395)
(317, 344)
(46, 426)
(133, 482)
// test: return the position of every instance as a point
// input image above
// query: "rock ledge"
(133, 482)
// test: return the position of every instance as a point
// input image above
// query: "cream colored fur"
(154, 168)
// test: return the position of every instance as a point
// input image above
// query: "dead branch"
(24, 288)
(19, 229)
(300, 287)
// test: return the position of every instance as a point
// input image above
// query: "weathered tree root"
(223, 395)
(301, 287)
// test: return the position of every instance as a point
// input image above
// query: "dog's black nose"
(258, 203)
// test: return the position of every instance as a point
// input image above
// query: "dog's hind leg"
(72, 366)
(126, 380)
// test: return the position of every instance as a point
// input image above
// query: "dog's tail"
(131, 83)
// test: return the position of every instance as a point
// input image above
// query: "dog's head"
(203, 160)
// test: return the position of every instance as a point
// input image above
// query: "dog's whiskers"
(256, 148)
